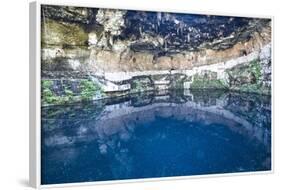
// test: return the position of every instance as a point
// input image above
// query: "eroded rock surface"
(131, 51)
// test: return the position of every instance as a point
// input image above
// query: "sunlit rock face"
(116, 49)
(112, 20)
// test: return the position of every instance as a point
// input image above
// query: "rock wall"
(116, 52)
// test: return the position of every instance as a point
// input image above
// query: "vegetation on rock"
(87, 91)
(204, 82)
(248, 78)
(90, 89)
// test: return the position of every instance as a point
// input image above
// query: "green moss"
(69, 94)
(255, 68)
(46, 84)
(248, 78)
(47, 95)
(89, 89)
(200, 82)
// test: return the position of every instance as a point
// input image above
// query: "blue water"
(156, 135)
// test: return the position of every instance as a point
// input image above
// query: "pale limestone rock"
(93, 38)
(74, 63)
(112, 20)
(120, 46)
(265, 52)
(102, 43)
(51, 53)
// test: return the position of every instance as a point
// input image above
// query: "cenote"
(156, 134)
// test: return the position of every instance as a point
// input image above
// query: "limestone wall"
(92, 53)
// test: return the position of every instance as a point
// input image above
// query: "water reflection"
(156, 134)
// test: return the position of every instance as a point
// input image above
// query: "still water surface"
(156, 134)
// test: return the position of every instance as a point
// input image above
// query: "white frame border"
(35, 93)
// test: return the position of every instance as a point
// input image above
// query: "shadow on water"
(156, 134)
